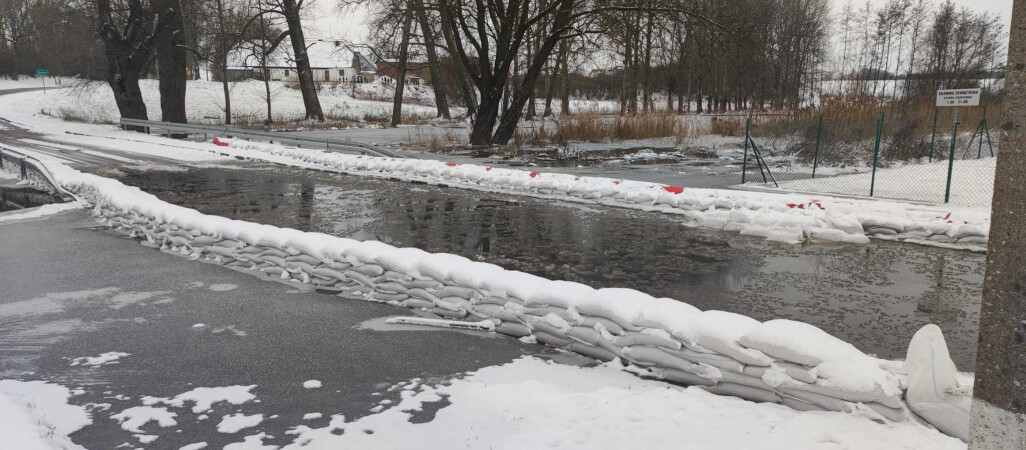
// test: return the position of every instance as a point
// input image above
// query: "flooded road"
(874, 296)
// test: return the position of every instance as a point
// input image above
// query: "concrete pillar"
(999, 397)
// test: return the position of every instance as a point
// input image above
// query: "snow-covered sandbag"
(654, 356)
(719, 331)
(745, 392)
(563, 294)
(402, 260)
(797, 342)
(474, 275)
(823, 401)
(667, 314)
(495, 311)
(591, 321)
(552, 340)
(620, 305)
(715, 360)
(649, 336)
(795, 371)
(598, 353)
(512, 283)
(438, 266)
(933, 390)
(799, 405)
(680, 376)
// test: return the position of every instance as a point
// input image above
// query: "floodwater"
(21, 197)
(875, 296)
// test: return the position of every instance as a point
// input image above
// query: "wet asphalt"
(72, 289)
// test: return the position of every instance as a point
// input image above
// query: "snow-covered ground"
(93, 102)
(972, 182)
(531, 403)
(35, 415)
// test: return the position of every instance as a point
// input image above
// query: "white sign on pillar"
(958, 97)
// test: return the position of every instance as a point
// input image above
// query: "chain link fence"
(897, 155)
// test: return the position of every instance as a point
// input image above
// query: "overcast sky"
(329, 23)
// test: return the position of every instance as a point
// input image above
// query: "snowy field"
(972, 182)
(94, 103)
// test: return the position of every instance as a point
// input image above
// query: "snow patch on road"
(132, 419)
(101, 360)
(203, 398)
(312, 384)
(602, 407)
(222, 287)
(234, 423)
(35, 415)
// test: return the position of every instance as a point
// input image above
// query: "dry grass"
(728, 126)
(592, 127)
(849, 129)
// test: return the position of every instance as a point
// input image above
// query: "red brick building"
(416, 72)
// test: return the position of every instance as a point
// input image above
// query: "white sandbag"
(737, 378)
(657, 357)
(389, 297)
(598, 353)
(473, 276)
(512, 283)
(716, 360)
(648, 336)
(681, 377)
(359, 278)
(458, 303)
(823, 401)
(719, 331)
(449, 314)
(562, 294)
(308, 260)
(795, 371)
(495, 311)
(799, 405)
(620, 305)
(933, 390)
(584, 334)
(369, 270)
(892, 414)
(455, 291)
(430, 285)
(551, 339)
(745, 392)
(416, 303)
(327, 273)
(390, 287)
(876, 394)
(437, 266)
(591, 321)
(666, 314)
(544, 311)
(513, 329)
(797, 342)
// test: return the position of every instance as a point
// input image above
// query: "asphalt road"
(71, 289)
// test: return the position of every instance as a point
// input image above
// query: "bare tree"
(129, 32)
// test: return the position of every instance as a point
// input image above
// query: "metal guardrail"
(168, 128)
(24, 160)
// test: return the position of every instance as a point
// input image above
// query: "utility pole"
(999, 397)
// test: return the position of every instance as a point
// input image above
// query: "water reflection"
(875, 296)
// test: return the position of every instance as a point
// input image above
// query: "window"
(342, 74)
(286, 72)
(327, 75)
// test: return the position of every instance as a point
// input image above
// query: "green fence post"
(744, 162)
(934, 133)
(983, 123)
(951, 159)
(815, 156)
(876, 153)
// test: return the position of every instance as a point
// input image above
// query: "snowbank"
(533, 404)
(778, 361)
(35, 415)
(783, 217)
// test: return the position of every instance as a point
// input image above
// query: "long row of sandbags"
(779, 361)
(794, 218)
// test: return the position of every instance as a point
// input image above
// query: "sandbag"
(391, 287)
(933, 390)
(826, 402)
(718, 361)
(416, 303)
(584, 334)
(598, 353)
(359, 278)
(552, 340)
(513, 329)
(745, 392)
(719, 331)
(681, 377)
(648, 336)
(591, 321)
(455, 291)
(655, 356)
(799, 405)
(562, 294)
(495, 311)
(368, 270)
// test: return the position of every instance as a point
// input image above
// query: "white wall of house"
(320, 74)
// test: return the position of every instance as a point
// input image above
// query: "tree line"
(504, 60)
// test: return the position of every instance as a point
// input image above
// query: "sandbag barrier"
(800, 219)
(779, 361)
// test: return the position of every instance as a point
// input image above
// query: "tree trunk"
(999, 396)
(306, 84)
(463, 79)
(441, 102)
(171, 62)
(400, 82)
(223, 62)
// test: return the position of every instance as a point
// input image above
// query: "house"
(416, 72)
(330, 62)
